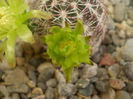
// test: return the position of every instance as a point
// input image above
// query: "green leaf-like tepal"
(13, 14)
(68, 47)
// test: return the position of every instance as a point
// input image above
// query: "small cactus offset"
(91, 12)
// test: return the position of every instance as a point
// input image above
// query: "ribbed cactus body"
(91, 12)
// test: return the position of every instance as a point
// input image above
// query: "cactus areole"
(91, 12)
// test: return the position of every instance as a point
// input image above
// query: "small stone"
(50, 93)
(122, 95)
(130, 13)
(114, 70)
(33, 61)
(20, 61)
(37, 91)
(119, 12)
(32, 76)
(62, 97)
(60, 77)
(130, 87)
(46, 71)
(126, 51)
(75, 75)
(101, 86)
(96, 97)
(15, 96)
(4, 90)
(42, 86)
(89, 71)
(16, 77)
(86, 91)
(23, 88)
(110, 94)
(82, 83)
(51, 83)
(102, 74)
(65, 89)
(117, 83)
(107, 60)
(128, 69)
(73, 97)
(39, 97)
(31, 84)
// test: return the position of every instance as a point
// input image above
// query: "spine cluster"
(91, 12)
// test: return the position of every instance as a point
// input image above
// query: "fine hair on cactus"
(91, 12)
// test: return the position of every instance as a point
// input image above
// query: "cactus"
(91, 12)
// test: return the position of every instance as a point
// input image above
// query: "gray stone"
(128, 68)
(110, 94)
(32, 75)
(119, 12)
(101, 86)
(4, 90)
(51, 83)
(23, 88)
(75, 75)
(66, 89)
(130, 13)
(15, 96)
(102, 74)
(50, 93)
(16, 77)
(116, 40)
(36, 92)
(114, 70)
(73, 97)
(89, 71)
(60, 77)
(86, 91)
(129, 87)
(82, 83)
(96, 97)
(126, 51)
(122, 95)
(42, 86)
(46, 71)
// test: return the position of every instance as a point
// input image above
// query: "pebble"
(82, 83)
(126, 51)
(107, 60)
(122, 95)
(102, 74)
(4, 90)
(117, 83)
(66, 89)
(75, 76)
(23, 88)
(31, 84)
(16, 77)
(32, 76)
(114, 70)
(129, 86)
(46, 71)
(128, 69)
(119, 12)
(39, 97)
(101, 86)
(50, 93)
(60, 77)
(42, 86)
(130, 13)
(87, 91)
(73, 97)
(51, 83)
(36, 91)
(110, 94)
(96, 97)
(89, 71)
(15, 96)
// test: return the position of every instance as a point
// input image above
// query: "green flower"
(13, 14)
(68, 48)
